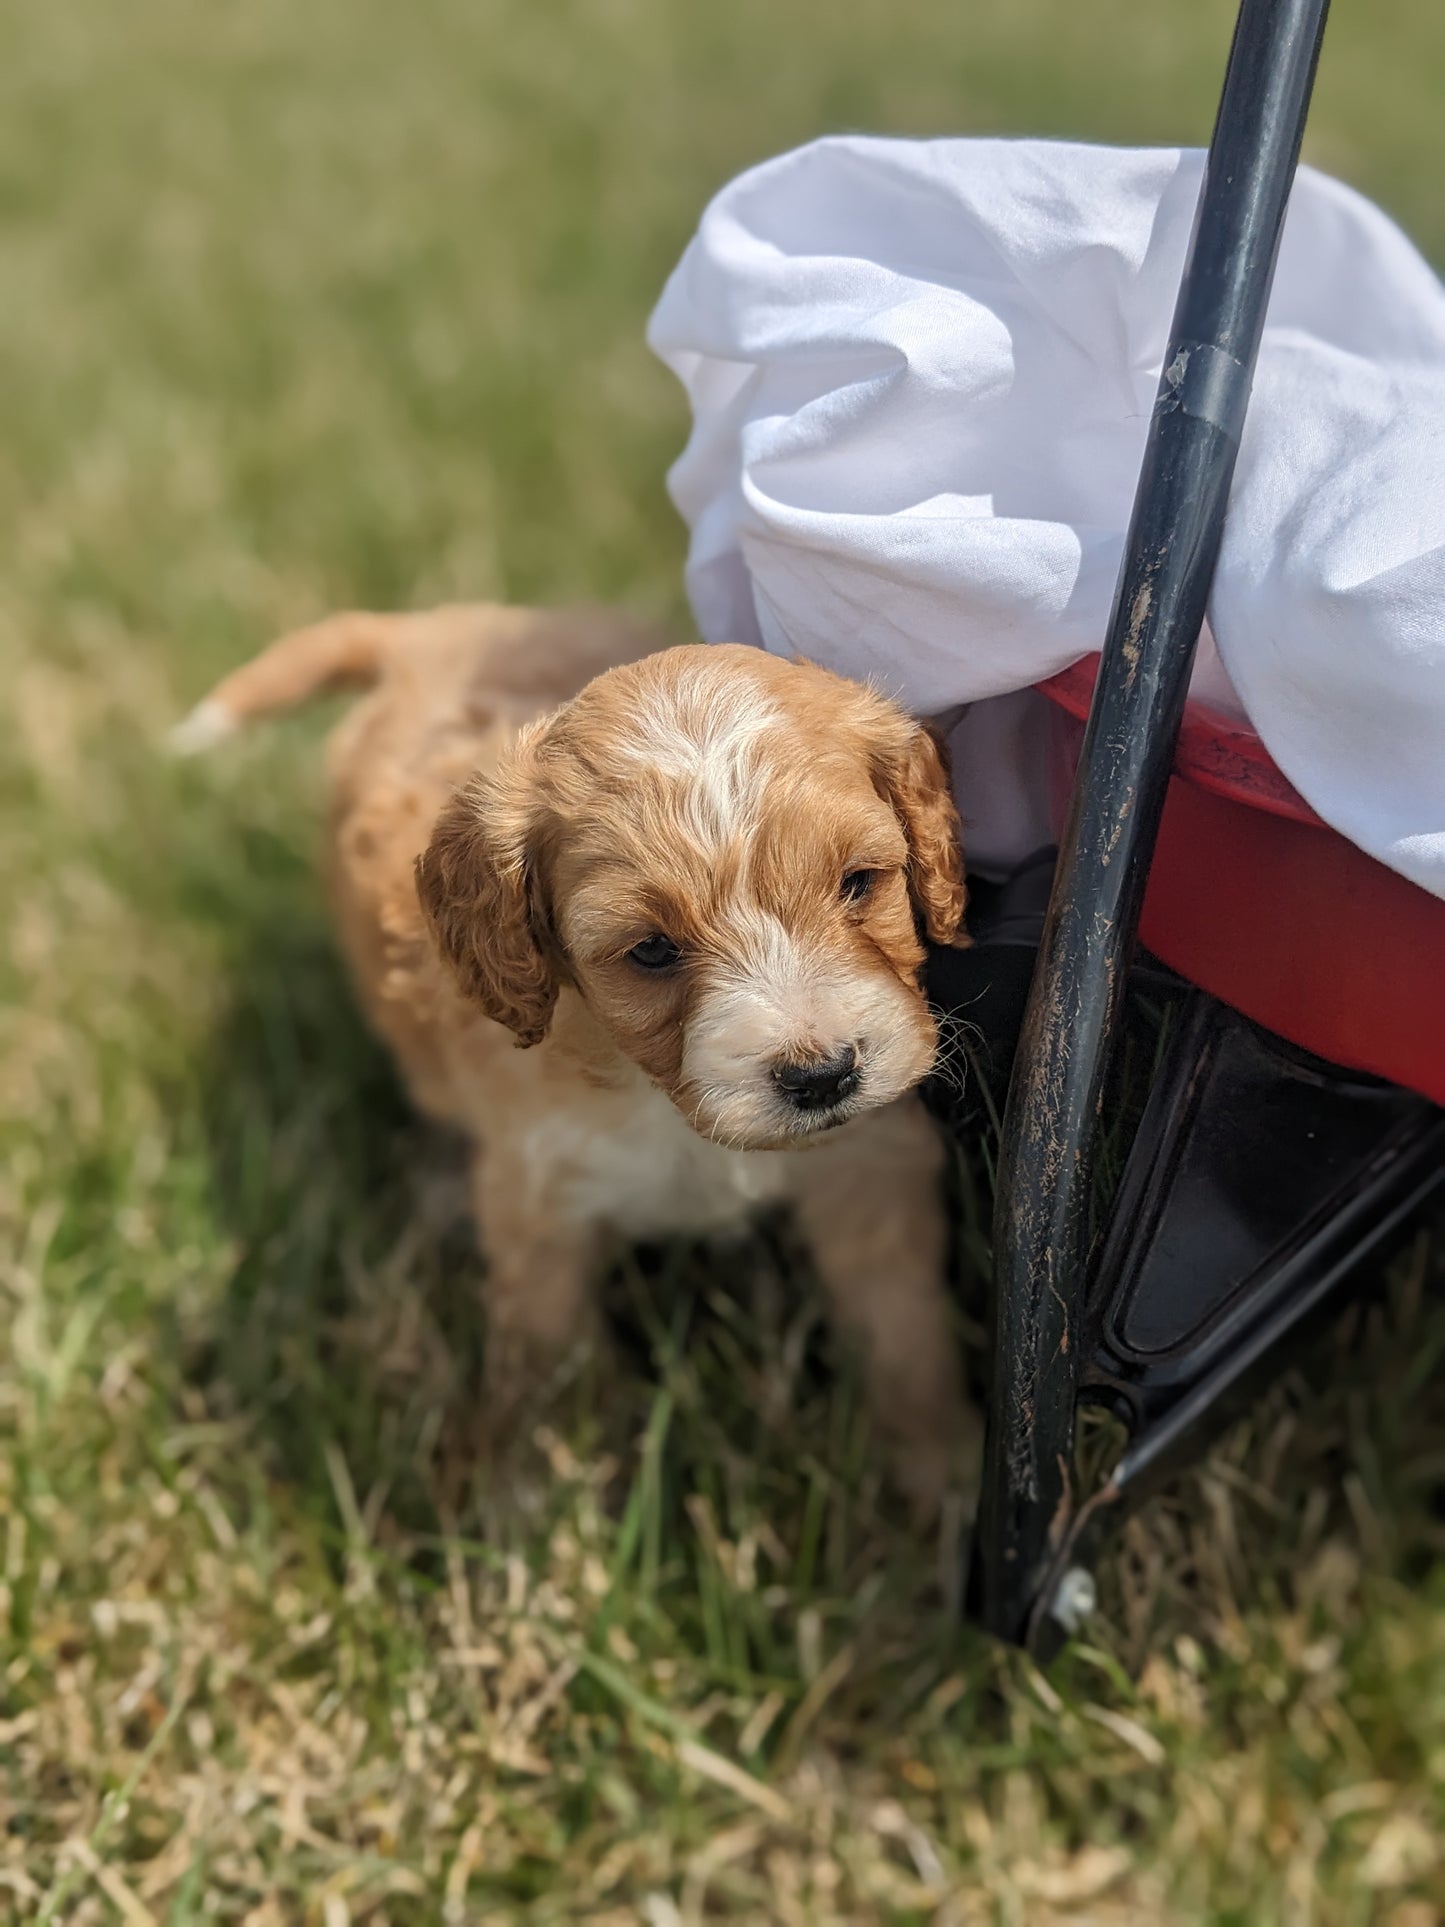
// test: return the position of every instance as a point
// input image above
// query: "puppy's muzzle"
(819, 1086)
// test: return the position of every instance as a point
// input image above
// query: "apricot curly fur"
(475, 885)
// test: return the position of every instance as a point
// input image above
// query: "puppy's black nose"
(814, 1087)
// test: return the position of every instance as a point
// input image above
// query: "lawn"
(343, 303)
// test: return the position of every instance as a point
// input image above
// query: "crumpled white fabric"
(921, 375)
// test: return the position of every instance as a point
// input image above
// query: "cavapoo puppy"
(645, 922)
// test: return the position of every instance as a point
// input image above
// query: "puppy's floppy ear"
(478, 887)
(913, 774)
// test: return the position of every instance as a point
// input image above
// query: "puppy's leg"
(872, 1211)
(541, 1313)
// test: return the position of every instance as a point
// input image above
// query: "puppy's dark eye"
(655, 952)
(857, 885)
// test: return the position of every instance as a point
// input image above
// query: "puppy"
(645, 923)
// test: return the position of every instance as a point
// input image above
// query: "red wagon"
(1255, 900)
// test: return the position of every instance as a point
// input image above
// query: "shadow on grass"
(352, 1325)
(351, 1315)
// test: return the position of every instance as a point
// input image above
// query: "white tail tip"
(209, 723)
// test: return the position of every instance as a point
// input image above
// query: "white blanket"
(921, 375)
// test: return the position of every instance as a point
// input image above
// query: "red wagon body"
(1255, 900)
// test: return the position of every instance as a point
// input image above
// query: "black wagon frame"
(1258, 1177)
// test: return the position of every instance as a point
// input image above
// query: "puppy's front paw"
(490, 1454)
(937, 1471)
(526, 1375)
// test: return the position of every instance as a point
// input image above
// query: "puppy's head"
(733, 859)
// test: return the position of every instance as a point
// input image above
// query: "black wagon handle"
(1052, 1120)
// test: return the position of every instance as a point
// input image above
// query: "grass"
(310, 306)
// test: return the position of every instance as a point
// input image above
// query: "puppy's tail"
(344, 652)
